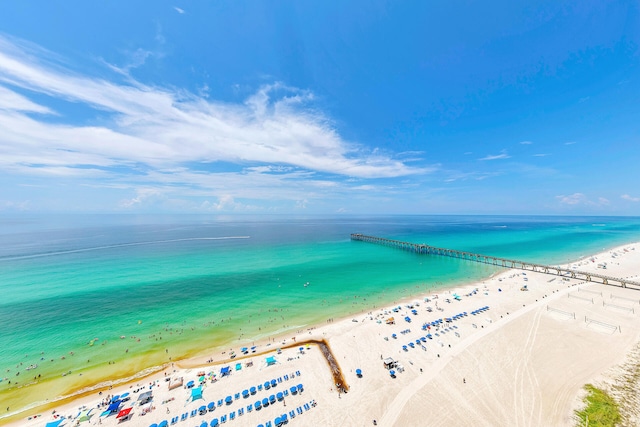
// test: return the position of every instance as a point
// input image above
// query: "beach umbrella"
(164, 423)
(214, 422)
(211, 406)
(252, 390)
(280, 396)
(124, 395)
(228, 400)
(55, 423)
(359, 372)
(204, 424)
(274, 383)
(201, 379)
(115, 398)
(265, 402)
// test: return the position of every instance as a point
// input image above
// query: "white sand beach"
(521, 362)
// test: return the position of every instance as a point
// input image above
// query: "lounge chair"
(232, 415)
(292, 414)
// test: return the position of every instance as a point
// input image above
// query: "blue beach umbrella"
(204, 424)
(214, 422)
(265, 402)
(164, 423)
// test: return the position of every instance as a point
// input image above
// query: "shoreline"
(318, 331)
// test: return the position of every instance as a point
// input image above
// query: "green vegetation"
(601, 409)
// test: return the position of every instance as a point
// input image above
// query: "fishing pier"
(423, 249)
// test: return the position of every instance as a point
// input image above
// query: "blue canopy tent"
(196, 393)
(114, 407)
(225, 370)
(271, 360)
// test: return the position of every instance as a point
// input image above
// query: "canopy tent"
(56, 423)
(225, 370)
(145, 397)
(114, 407)
(84, 415)
(124, 414)
(271, 360)
(196, 393)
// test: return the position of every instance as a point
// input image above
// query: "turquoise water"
(179, 284)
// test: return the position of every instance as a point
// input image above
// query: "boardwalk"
(500, 262)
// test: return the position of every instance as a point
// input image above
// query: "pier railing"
(500, 262)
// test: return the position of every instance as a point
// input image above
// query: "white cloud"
(630, 198)
(144, 135)
(541, 155)
(570, 143)
(576, 199)
(177, 9)
(504, 155)
(526, 142)
(573, 199)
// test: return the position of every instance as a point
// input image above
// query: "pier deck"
(500, 262)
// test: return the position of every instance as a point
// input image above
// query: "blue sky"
(417, 107)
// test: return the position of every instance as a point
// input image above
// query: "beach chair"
(285, 392)
(268, 424)
(232, 415)
(194, 412)
(223, 419)
(174, 420)
(299, 410)
(249, 408)
(259, 387)
(240, 411)
(184, 416)
(292, 414)
(286, 377)
(297, 373)
(306, 406)
(236, 396)
(279, 379)
(220, 402)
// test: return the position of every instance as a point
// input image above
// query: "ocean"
(89, 297)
